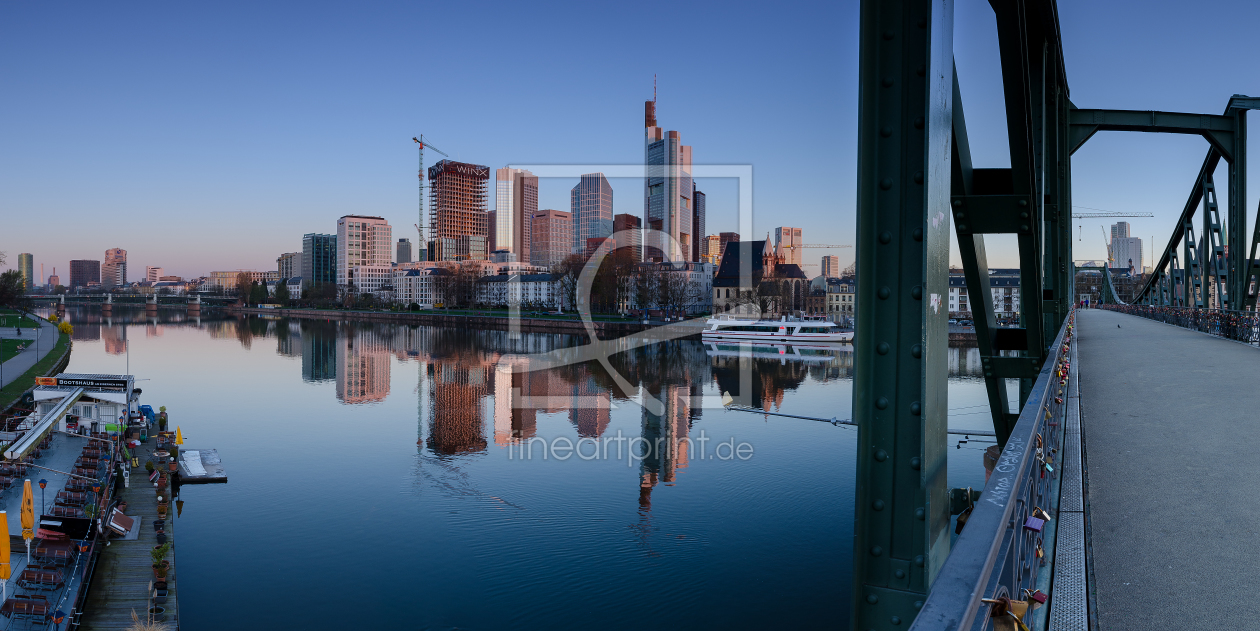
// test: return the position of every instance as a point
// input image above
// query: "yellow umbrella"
(179, 436)
(4, 555)
(28, 517)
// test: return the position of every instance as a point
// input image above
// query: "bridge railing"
(1242, 326)
(995, 556)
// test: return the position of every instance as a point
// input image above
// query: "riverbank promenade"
(36, 349)
(1168, 420)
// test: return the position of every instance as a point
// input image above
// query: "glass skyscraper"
(319, 258)
(667, 194)
(591, 202)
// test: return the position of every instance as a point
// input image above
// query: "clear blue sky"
(213, 136)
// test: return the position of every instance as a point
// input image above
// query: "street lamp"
(42, 483)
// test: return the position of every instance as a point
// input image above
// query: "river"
(411, 477)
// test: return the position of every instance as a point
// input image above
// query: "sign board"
(45, 381)
(95, 384)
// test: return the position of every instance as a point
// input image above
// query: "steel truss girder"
(901, 517)
(1217, 129)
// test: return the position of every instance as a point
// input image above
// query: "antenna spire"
(654, 87)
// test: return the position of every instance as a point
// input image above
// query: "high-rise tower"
(591, 203)
(667, 192)
(457, 211)
(516, 203)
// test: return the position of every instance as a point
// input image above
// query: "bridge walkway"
(1172, 459)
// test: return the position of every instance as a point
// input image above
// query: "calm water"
(378, 478)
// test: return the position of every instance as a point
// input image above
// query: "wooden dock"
(124, 570)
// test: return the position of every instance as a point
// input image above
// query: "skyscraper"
(787, 242)
(289, 265)
(1120, 230)
(516, 203)
(831, 266)
(552, 238)
(457, 211)
(83, 272)
(697, 221)
(404, 251)
(363, 255)
(712, 249)
(667, 192)
(629, 231)
(26, 266)
(114, 269)
(319, 258)
(591, 203)
(153, 274)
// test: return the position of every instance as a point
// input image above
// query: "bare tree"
(566, 274)
(676, 289)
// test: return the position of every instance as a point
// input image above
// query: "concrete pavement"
(15, 367)
(1169, 418)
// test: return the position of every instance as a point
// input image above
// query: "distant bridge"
(1025, 536)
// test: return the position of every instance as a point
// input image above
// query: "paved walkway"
(18, 365)
(1172, 462)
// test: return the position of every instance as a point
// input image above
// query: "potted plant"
(148, 466)
(162, 418)
(161, 536)
(160, 564)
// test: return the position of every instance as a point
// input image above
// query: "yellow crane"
(1107, 243)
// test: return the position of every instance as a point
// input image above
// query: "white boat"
(785, 329)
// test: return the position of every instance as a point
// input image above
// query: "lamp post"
(42, 483)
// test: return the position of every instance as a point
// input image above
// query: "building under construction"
(457, 211)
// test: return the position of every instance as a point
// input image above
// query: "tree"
(243, 285)
(12, 290)
(258, 293)
(851, 270)
(676, 289)
(282, 292)
(566, 274)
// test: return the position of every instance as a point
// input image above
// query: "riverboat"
(785, 329)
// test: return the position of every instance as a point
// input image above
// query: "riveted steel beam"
(901, 517)
(1217, 129)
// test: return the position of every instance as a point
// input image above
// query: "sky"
(211, 137)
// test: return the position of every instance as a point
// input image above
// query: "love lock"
(1007, 614)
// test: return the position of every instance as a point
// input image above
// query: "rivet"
(1024, 227)
(918, 604)
(988, 374)
(877, 505)
(962, 226)
(915, 463)
(917, 234)
(883, 293)
(885, 237)
(880, 455)
(888, 82)
(1023, 215)
(881, 403)
(921, 71)
(916, 351)
(900, 574)
(886, 132)
(872, 598)
(917, 292)
(957, 204)
(919, 513)
(922, 23)
(896, 619)
(886, 183)
(1023, 202)
(918, 123)
(915, 408)
(876, 551)
(888, 34)
(918, 177)
(919, 560)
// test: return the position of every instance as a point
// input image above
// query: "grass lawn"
(9, 318)
(9, 348)
(14, 390)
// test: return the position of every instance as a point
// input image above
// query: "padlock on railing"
(1007, 614)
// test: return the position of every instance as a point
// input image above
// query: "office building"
(457, 211)
(628, 230)
(553, 237)
(403, 254)
(114, 269)
(591, 203)
(289, 265)
(724, 238)
(319, 258)
(83, 272)
(1126, 251)
(362, 242)
(787, 244)
(697, 222)
(26, 267)
(830, 266)
(226, 280)
(711, 249)
(153, 274)
(667, 194)
(516, 203)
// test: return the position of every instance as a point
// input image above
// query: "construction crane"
(422, 142)
(815, 245)
(1107, 243)
(1109, 214)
